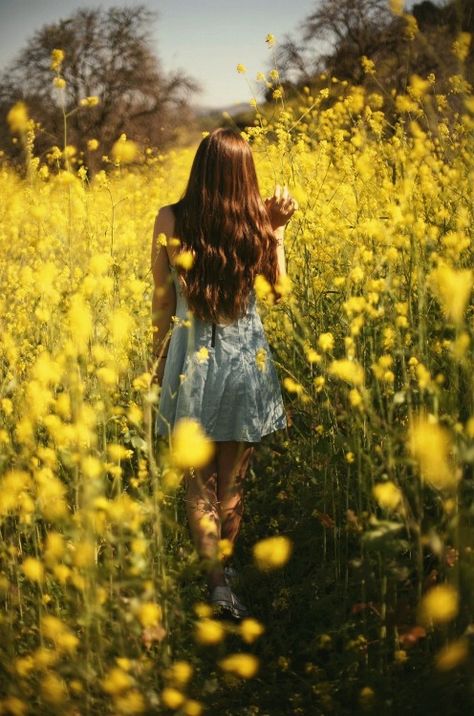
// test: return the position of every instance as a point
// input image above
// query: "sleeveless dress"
(221, 375)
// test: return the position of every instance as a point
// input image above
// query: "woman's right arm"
(280, 237)
(281, 207)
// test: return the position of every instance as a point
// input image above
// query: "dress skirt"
(221, 375)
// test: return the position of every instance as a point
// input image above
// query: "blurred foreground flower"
(439, 605)
(453, 289)
(185, 259)
(272, 552)
(452, 655)
(430, 445)
(190, 445)
(348, 370)
(124, 151)
(243, 665)
(387, 495)
(18, 119)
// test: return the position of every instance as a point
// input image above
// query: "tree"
(354, 28)
(108, 55)
(348, 28)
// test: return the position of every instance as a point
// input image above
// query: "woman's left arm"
(163, 304)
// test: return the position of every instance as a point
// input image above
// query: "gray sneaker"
(225, 598)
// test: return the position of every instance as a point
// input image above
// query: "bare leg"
(214, 503)
(204, 519)
(233, 459)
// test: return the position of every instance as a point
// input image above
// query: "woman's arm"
(280, 236)
(281, 207)
(163, 303)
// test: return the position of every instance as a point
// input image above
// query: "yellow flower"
(292, 386)
(319, 383)
(400, 656)
(18, 119)
(397, 6)
(91, 101)
(59, 82)
(53, 689)
(116, 681)
(14, 706)
(57, 58)
(460, 46)
(124, 151)
(452, 655)
(243, 665)
(263, 289)
(92, 145)
(326, 342)
(439, 605)
(418, 86)
(209, 631)
(366, 697)
(250, 629)
(348, 370)
(387, 495)
(180, 672)
(33, 569)
(129, 703)
(284, 285)
(453, 289)
(54, 547)
(313, 356)
(368, 65)
(355, 398)
(190, 445)
(149, 614)
(24, 664)
(80, 321)
(241, 69)
(172, 698)
(192, 707)
(202, 354)
(261, 359)
(225, 548)
(185, 259)
(430, 445)
(270, 40)
(272, 552)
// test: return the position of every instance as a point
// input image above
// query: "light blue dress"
(221, 375)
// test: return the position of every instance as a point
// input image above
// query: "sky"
(205, 38)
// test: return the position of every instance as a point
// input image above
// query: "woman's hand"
(281, 207)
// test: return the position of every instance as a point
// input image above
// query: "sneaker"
(225, 598)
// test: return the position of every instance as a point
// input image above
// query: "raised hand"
(281, 207)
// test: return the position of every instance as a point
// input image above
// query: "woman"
(216, 367)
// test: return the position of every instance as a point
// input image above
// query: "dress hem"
(231, 437)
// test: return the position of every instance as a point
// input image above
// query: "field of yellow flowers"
(364, 602)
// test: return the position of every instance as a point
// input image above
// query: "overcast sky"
(206, 38)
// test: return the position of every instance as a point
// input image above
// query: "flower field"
(357, 543)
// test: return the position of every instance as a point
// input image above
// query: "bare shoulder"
(164, 221)
(164, 224)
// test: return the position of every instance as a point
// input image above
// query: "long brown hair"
(223, 221)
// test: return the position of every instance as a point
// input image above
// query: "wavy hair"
(223, 221)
